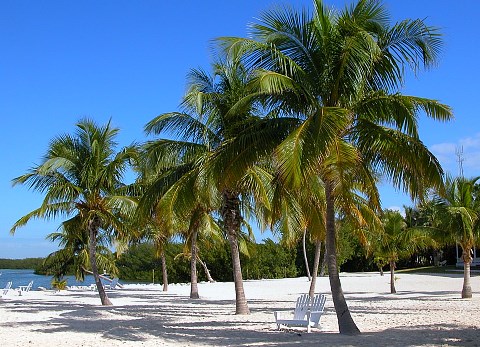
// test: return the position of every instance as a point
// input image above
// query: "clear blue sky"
(127, 60)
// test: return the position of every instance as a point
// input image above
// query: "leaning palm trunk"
(205, 268)
(93, 226)
(467, 261)
(346, 324)
(164, 271)
(305, 255)
(316, 263)
(231, 218)
(193, 267)
(392, 277)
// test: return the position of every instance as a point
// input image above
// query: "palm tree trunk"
(392, 278)
(193, 266)
(346, 324)
(316, 263)
(305, 254)
(205, 268)
(467, 287)
(93, 226)
(231, 218)
(323, 269)
(164, 271)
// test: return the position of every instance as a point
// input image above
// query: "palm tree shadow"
(180, 320)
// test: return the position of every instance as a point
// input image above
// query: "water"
(23, 277)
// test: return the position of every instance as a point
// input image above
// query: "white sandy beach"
(426, 311)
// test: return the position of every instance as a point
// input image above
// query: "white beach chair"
(25, 289)
(112, 285)
(8, 286)
(307, 312)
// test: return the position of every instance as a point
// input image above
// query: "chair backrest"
(301, 308)
(7, 287)
(113, 284)
(30, 284)
(318, 302)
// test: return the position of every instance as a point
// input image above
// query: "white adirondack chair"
(25, 289)
(112, 285)
(307, 312)
(8, 286)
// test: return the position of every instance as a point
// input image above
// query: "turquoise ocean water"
(23, 277)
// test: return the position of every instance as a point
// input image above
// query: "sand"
(426, 311)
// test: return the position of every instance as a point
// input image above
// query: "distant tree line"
(27, 263)
(265, 260)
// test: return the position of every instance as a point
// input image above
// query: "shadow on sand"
(176, 319)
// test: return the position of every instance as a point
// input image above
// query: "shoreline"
(426, 311)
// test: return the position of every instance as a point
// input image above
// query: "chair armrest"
(313, 318)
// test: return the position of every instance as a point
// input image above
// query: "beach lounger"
(307, 312)
(112, 285)
(25, 289)
(8, 286)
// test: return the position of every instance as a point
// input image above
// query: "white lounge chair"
(112, 285)
(25, 289)
(8, 286)
(307, 312)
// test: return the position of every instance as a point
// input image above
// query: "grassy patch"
(449, 269)
(430, 269)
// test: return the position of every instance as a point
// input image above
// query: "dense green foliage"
(270, 260)
(139, 263)
(267, 260)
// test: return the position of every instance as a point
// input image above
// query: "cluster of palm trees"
(295, 126)
(449, 216)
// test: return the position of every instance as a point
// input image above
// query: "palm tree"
(397, 241)
(221, 131)
(81, 178)
(171, 203)
(296, 211)
(202, 224)
(455, 217)
(74, 252)
(340, 73)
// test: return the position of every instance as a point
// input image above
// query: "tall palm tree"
(455, 217)
(223, 120)
(340, 73)
(305, 207)
(81, 178)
